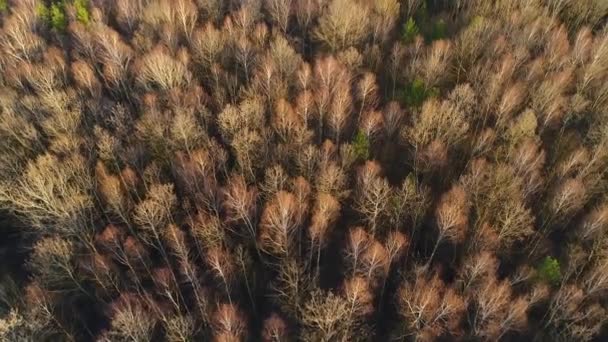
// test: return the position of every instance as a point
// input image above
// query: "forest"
(303, 170)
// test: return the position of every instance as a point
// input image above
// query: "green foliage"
(410, 31)
(549, 271)
(425, 24)
(3, 5)
(416, 93)
(42, 11)
(82, 11)
(477, 21)
(422, 14)
(53, 15)
(58, 18)
(439, 30)
(361, 146)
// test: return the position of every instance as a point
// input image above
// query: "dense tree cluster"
(303, 170)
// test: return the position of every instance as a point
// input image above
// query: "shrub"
(439, 30)
(58, 18)
(415, 93)
(410, 31)
(361, 146)
(42, 11)
(82, 11)
(549, 271)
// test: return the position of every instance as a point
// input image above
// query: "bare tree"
(306, 11)
(240, 204)
(567, 199)
(356, 244)
(430, 308)
(155, 212)
(159, 69)
(222, 267)
(185, 15)
(275, 329)
(280, 224)
(595, 69)
(595, 283)
(372, 196)
(279, 11)
(186, 133)
(367, 92)
(229, 324)
(20, 139)
(292, 286)
(249, 114)
(571, 317)
(18, 40)
(332, 180)
(360, 298)
(325, 212)
(395, 61)
(112, 191)
(411, 201)
(436, 62)
(152, 215)
(385, 14)
(595, 223)
(340, 110)
(344, 24)
(114, 54)
(287, 124)
(375, 262)
(131, 320)
(396, 245)
(129, 13)
(476, 269)
(51, 193)
(496, 311)
(177, 242)
(452, 217)
(549, 101)
(322, 317)
(53, 265)
(208, 44)
(514, 223)
(443, 121)
(250, 150)
(85, 77)
(528, 161)
(179, 328)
